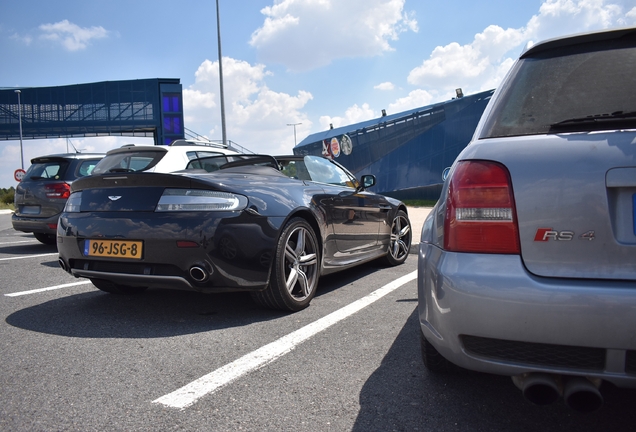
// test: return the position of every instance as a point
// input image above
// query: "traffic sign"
(18, 175)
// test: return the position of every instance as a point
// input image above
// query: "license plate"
(128, 249)
(31, 210)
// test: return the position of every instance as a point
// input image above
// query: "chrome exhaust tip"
(199, 274)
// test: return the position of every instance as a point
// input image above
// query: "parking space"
(75, 358)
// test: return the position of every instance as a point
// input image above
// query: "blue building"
(408, 151)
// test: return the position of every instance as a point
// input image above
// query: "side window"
(323, 171)
(295, 169)
(201, 154)
(86, 168)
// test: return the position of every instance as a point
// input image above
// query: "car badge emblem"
(114, 197)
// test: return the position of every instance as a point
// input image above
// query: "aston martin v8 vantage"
(271, 226)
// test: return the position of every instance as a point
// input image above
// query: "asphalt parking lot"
(75, 358)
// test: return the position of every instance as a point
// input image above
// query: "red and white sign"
(18, 174)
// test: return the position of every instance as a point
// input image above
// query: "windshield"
(559, 89)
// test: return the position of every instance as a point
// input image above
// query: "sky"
(313, 63)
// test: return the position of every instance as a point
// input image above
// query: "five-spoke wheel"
(400, 242)
(296, 269)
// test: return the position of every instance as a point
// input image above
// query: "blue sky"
(315, 62)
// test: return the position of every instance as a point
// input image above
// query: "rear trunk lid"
(575, 197)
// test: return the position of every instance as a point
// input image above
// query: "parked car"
(164, 159)
(527, 264)
(41, 195)
(270, 226)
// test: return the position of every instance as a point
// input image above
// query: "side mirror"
(367, 181)
(445, 173)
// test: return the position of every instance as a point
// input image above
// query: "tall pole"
(218, 31)
(294, 125)
(20, 121)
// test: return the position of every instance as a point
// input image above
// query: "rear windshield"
(53, 170)
(128, 162)
(580, 88)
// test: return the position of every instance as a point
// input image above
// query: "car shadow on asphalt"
(30, 248)
(156, 313)
(402, 395)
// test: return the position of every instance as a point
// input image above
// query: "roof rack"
(185, 142)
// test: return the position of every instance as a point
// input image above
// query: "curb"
(414, 249)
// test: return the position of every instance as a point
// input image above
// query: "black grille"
(630, 362)
(536, 353)
(127, 267)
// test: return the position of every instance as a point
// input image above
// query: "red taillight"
(57, 190)
(480, 210)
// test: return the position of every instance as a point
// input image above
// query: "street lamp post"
(218, 33)
(20, 121)
(294, 125)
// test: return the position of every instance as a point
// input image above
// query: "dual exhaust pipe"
(579, 393)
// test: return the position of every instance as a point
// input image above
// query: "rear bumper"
(231, 251)
(34, 225)
(487, 313)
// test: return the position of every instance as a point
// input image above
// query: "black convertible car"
(268, 225)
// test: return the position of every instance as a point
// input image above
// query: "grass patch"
(419, 203)
(4, 206)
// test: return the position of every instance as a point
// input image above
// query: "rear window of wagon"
(565, 83)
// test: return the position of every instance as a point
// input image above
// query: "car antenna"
(68, 141)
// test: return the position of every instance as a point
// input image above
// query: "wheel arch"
(311, 219)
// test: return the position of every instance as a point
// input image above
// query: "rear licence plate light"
(480, 211)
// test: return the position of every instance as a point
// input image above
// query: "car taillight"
(57, 190)
(480, 210)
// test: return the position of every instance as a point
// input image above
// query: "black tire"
(114, 288)
(433, 360)
(47, 239)
(295, 269)
(400, 243)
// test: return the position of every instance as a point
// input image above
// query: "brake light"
(57, 190)
(480, 210)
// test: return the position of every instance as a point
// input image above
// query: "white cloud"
(306, 34)
(71, 36)
(482, 63)
(26, 39)
(353, 114)
(385, 86)
(415, 99)
(256, 116)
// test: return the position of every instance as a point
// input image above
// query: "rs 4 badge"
(547, 234)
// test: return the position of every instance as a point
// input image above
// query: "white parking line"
(39, 290)
(27, 256)
(19, 241)
(190, 393)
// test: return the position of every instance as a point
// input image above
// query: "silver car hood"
(575, 196)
